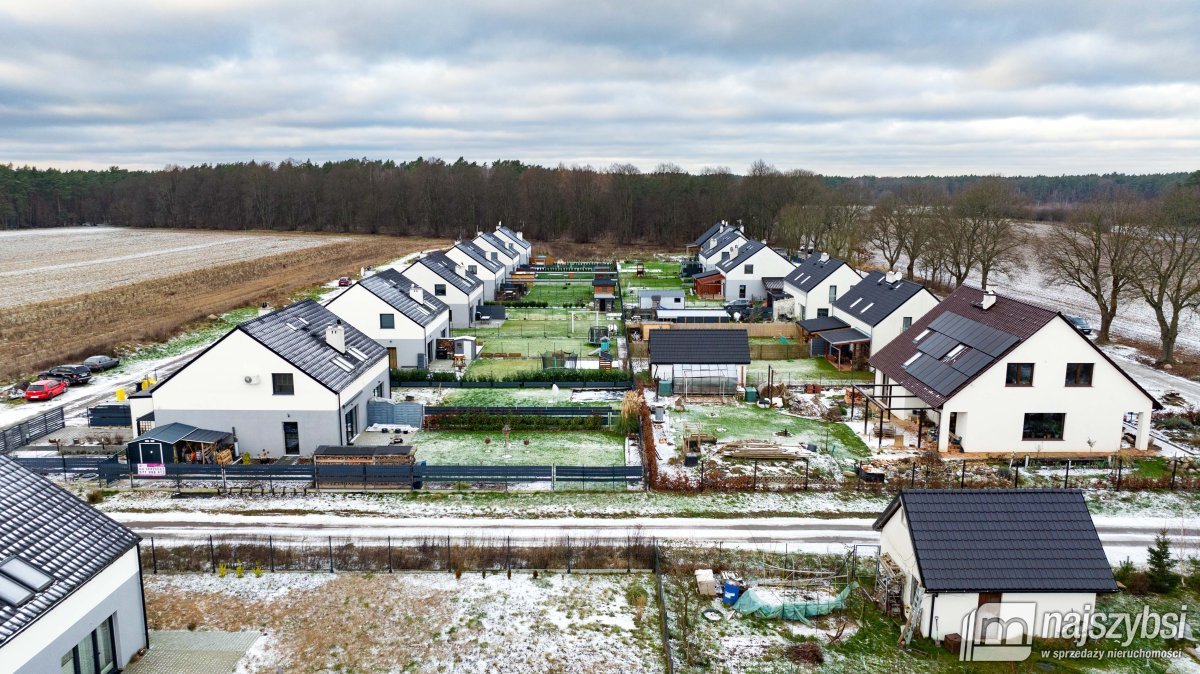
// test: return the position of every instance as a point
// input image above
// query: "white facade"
(745, 279)
(211, 392)
(990, 415)
(943, 613)
(462, 304)
(714, 257)
(883, 332)
(517, 242)
(819, 301)
(115, 592)
(408, 343)
(667, 300)
(509, 259)
(491, 279)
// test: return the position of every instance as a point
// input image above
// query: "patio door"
(351, 424)
(291, 438)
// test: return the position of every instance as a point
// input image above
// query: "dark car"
(740, 306)
(101, 363)
(1080, 324)
(72, 374)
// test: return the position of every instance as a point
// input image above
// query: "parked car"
(739, 306)
(344, 282)
(101, 363)
(1081, 324)
(73, 374)
(45, 389)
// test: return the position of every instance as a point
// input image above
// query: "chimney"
(335, 336)
(264, 309)
(989, 299)
(499, 225)
(521, 235)
(890, 276)
(764, 242)
(460, 270)
(417, 293)
(824, 257)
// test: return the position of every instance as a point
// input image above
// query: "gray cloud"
(847, 87)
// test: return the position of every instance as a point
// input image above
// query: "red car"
(45, 389)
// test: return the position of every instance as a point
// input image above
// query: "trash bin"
(733, 590)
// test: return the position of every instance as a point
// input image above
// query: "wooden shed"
(370, 455)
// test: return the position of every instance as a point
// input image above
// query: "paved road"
(1122, 537)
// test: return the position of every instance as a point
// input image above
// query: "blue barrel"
(732, 592)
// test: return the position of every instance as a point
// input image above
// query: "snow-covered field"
(423, 622)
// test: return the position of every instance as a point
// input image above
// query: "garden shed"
(182, 443)
(699, 361)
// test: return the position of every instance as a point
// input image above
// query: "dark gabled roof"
(707, 274)
(174, 432)
(516, 240)
(604, 282)
(499, 244)
(297, 334)
(479, 255)
(957, 341)
(56, 533)
(708, 234)
(1003, 540)
(730, 235)
(395, 289)
(873, 299)
(810, 271)
(844, 336)
(443, 266)
(823, 323)
(491, 312)
(698, 347)
(745, 252)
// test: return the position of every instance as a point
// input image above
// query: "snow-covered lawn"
(423, 622)
(545, 448)
(529, 397)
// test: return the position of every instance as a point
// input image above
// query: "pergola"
(883, 397)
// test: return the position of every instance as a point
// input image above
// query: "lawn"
(523, 397)
(497, 367)
(532, 332)
(739, 421)
(802, 370)
(558, 293)
(545, 448)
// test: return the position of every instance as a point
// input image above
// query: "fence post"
(212, 554)
(806, 475)
(1016, 477)
(154, 555)
(628, 555)
(1067, 476)
(449, 559)
(1174, 468)
(912, 476)
(858, 476)
(389, 544)
(568, 554)
(331, 554)
(1120, 465)
(271, 552)
(754, 487)
(962, 478)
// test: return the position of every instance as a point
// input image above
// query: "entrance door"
(391, 357)
(741, 292)
(291, 437)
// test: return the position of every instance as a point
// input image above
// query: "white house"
(952, 559)
(751, 264)
(816, 283)
(719, 247)
(699, 360)
(997, 374)
(478, 264)
(397, 313)
(866, 318)
(708, 234)
(498, 251)
(660, 299)
(283, 383)
(450, 283)
(70, 581)
(516, 240)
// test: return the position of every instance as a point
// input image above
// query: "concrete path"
(183, 652)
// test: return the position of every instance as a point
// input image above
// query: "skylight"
(343, 363)
(13, 593)
(958, 348)
(354, 351)
(26, 574)
(855, 302)
(912, 359)
(921, 336)
(864, 309)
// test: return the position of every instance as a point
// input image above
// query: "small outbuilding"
(660, 299)
(182, 443)
(709, 285)
(949, 557)
(700, 361)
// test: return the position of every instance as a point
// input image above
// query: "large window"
(291, 437)
(1019, 374)
(832, 294)
(439, 289)
(1079, 374)
(1044, 426)
(387, 321)
(96, 654)
(282, 384)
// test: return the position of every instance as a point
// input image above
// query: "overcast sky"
(886, 88)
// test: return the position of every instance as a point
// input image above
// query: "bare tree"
(985, 212)
(886, 227)
(902, 224)
(1168, 264)
(1095, 252)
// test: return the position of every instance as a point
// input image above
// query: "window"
(923, 335)
(439, 289)
(282, 384)
(749, 269)
(1079, 374)
(472, 269)
(492, 255)
(351, 424)
(444, 333)
(742, 292)
(95, 654)
(379, 390)
(907, 322)
(387, 321)
(1044, 426)
(822, 313)
(832, 293)
(291, 437)
(1019, 374)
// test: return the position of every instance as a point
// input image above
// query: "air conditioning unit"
(251, 379)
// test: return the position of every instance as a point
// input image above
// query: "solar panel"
(973, 333)
(971, 362)
(13, 593)
(25, 574)
(937, 345)
(936, 375)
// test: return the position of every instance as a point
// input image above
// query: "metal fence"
(110, 415)
(589, 385)
(19, 435)
(446, 410)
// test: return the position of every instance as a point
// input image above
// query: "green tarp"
(766, 603)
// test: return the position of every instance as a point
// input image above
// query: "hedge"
(491, 422)
(532, 375)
